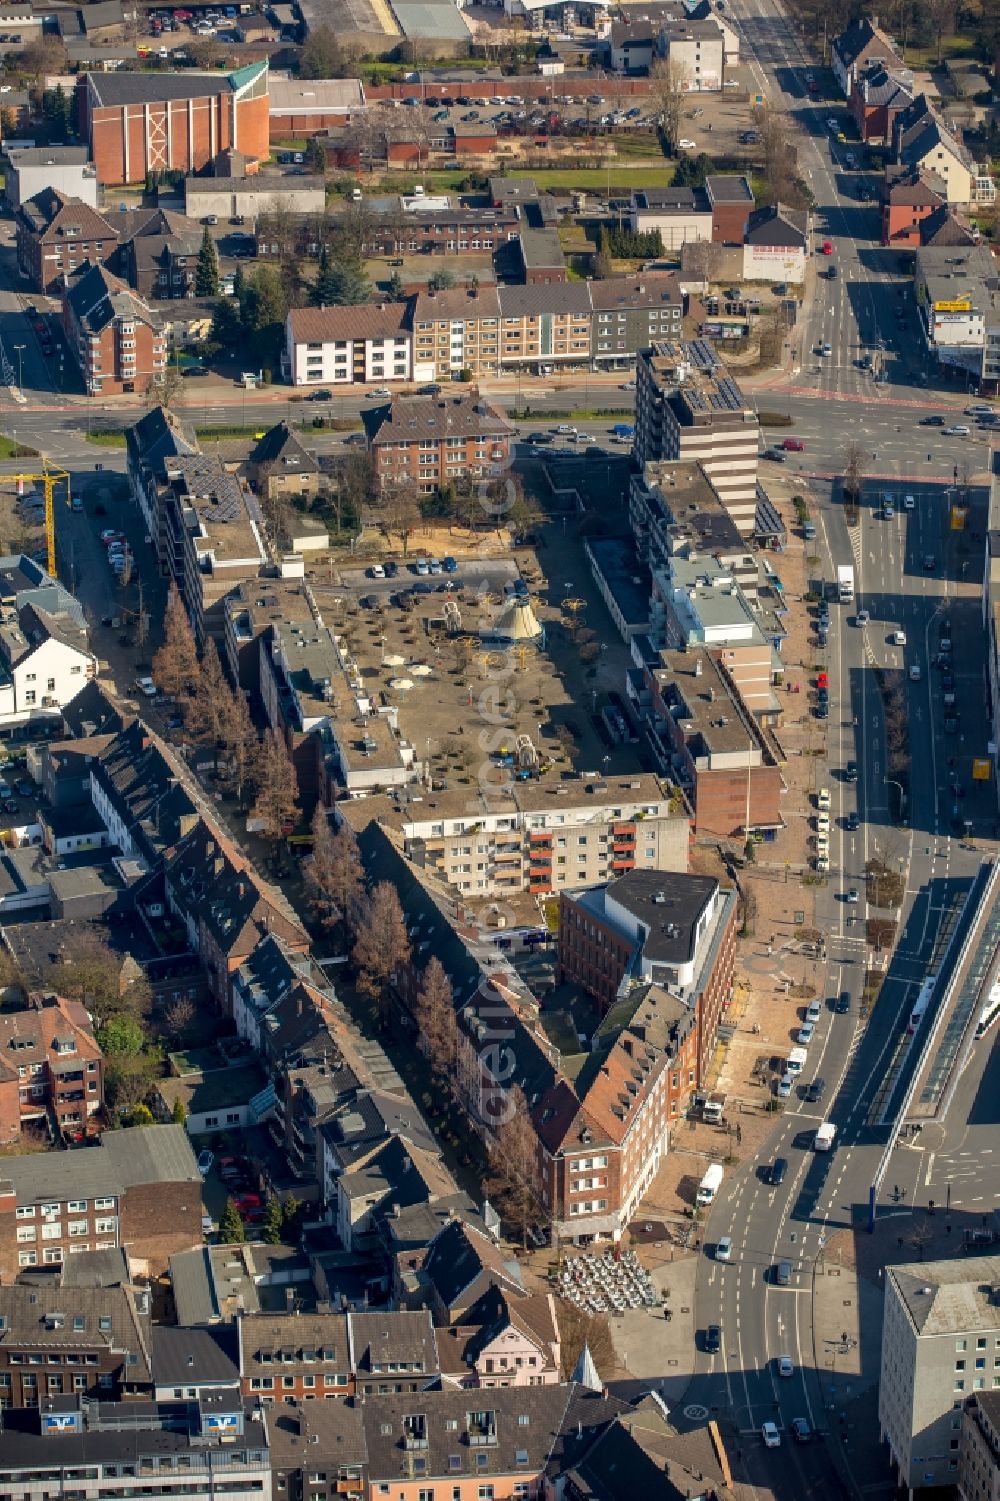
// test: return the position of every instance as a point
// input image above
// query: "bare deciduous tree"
(277, 798)
(333, 873)
(175, 665)
(381, 945)
(577, 1328)
(669, 86)
(435, 1015)
(179, 1016)
(512, 1182)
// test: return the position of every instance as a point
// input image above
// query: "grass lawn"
(107, 440)
(639, 145)
(651, 175)
(951, 46)
(10, 449)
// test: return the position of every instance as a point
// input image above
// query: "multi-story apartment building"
(470, 1446)
(698, 603)
(116, 339)
(67, 1340)
(631, 313)
(545, 325)
(538, 836)
(456, 331)
(209, 1450)
(302, 1357)
(940, 1345)
(979, 1449)
(51, 1069)
(430, 441)
(688, 407)
(56, 234)
(68, 169)
(349, 345)
(212, 538)
(695, 48)
(150, 444)
(141, 1186)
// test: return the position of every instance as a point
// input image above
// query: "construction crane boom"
(48, 480)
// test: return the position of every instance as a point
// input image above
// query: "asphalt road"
(836, 403)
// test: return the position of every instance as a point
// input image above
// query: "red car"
(827, 247)
(793, 445)
(246, 1203)
(823, 680)
(40, 327)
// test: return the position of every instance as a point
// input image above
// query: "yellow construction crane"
(48, 480)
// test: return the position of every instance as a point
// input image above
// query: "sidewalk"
(847, 1298)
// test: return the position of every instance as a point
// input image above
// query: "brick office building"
(429, 440)
(664, 927)
(56, 234)
(138, 123)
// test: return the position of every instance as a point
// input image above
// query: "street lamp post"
(19, 350)
(902, 796)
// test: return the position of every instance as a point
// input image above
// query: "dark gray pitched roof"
(524, 1425)
(280, 446)
(533, 301)
(407, 419)
(461, 1258)
(193, 1356)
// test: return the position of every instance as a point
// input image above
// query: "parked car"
(206, 1160)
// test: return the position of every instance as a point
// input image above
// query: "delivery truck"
(825, 1136)
(845, 583)
(710, 1184)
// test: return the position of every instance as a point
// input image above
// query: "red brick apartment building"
(428, 440)
(116, 338)
(138, 123)
(51, 1069)
(140, 1187)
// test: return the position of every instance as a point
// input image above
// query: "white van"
(796, 1061)
(710, 1184)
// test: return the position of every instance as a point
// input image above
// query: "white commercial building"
(940, 1345)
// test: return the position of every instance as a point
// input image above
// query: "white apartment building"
(538, 836)
(940, 1345)
(697, 48)
(343, 346)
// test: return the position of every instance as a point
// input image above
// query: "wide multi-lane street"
(913, 574)
(910, 569)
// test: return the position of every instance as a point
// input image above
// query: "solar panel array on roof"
(701, 354)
